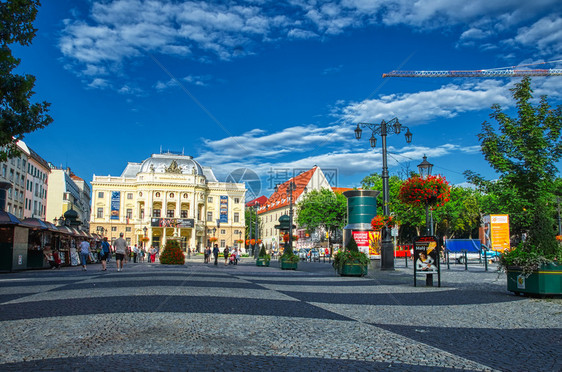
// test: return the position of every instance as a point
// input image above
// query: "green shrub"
(172, 254)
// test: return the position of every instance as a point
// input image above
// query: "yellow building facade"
(168, 196)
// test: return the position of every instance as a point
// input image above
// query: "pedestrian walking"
(84, 253)
(135, 253)
(104, 254)
(216, 253)
(226, 255)
(120, 246)
(153, 252)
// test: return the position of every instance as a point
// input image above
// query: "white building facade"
(168, 196)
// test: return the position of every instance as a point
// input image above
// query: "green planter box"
(353, 269)
(285, 265)
(546, 281)
(262, 262)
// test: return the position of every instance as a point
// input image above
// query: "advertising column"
(361, 208)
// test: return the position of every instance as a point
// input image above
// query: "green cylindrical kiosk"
(361, 208)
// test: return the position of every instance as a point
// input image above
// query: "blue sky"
(274, 86)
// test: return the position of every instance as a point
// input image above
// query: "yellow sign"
(374, 243)
(498, 232)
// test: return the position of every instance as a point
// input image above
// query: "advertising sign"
(115, 203)
(496, 232)
(375, 244)
(426, 258)
(223, 209)
(173, 222)
(368, 242)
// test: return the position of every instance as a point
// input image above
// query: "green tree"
(322, 209)
(17, 114)
(524, 151)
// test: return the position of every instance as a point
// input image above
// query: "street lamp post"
(383, 129)
(425, 168)
(290, 188)
(144, 229)
(256, 246)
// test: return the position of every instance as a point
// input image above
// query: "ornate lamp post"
(424, 169)
(383, 129)
(256, 247)
(290, 188)
(144, 229)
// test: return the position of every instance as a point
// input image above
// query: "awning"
(35, 224)
(7, 218)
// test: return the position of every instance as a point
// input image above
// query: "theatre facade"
(168, 196)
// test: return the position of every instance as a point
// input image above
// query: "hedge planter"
(287, 265)
(546, 281)
(262, 262)
(353, 269)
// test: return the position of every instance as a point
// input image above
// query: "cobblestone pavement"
(199, 317)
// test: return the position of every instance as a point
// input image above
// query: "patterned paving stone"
(243, 318)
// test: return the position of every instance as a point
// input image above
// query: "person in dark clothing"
(216, 253)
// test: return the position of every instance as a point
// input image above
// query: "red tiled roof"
(341, 190)
(261, 201)
(280, 199)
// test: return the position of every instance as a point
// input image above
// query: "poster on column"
(363, 239)
(224, 209)
(115, 203)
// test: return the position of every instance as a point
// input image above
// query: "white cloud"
(117, 31)
(414, 108)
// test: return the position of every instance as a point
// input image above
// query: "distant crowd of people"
(230, 257)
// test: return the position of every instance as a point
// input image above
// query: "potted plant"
(288, 260)
(534, 266)
(263, 258)
(351, 262)
(172, 254)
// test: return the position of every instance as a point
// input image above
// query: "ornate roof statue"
(173, 168)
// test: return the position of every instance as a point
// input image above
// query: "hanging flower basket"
(259, 241)
(240, 241)
(252, 241)
(213, 239)
(378, 222)
(430, 190)
(247, 241)
(144, 239)
(286, 238)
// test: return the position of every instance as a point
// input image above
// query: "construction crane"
(512, 71)
(475, 73)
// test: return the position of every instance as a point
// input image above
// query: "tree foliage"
(18, 115)
(322, 209)
(524, 150)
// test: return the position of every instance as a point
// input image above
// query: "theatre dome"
(171, 163)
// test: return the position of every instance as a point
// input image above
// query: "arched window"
(157, 194)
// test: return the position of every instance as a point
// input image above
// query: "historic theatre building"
(168, 196)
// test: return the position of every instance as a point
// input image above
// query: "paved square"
(239, 318)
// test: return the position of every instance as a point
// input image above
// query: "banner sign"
(223, 209)
(426, 256)
(368, 242)
(496, 230)
(115, 204)
(173, 222)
